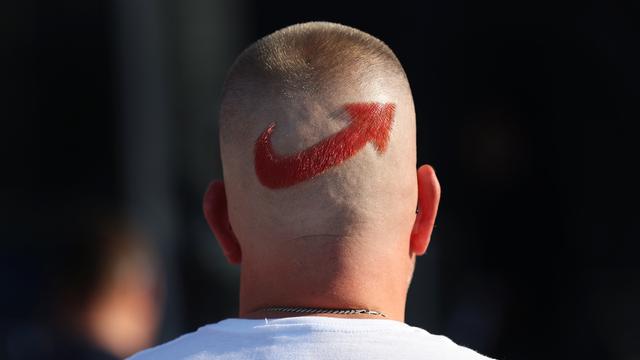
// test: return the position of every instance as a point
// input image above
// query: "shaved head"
(317, 136)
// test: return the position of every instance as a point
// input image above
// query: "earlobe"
(217, 216)
(428, 200)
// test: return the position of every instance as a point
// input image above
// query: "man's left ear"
(217, 215)
(428, 200)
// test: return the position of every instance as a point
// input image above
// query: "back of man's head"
(317, 134)
(318, 203)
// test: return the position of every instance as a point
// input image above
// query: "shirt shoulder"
(441, 347)
(179, 348)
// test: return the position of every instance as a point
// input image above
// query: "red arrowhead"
(369, 122)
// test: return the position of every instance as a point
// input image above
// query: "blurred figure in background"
(100, 293)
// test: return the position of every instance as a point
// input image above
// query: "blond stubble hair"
(301, 77)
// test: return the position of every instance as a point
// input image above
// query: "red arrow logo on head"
(369, 122)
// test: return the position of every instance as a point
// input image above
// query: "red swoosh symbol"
(369, 122)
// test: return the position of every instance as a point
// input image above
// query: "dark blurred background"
(525, 109)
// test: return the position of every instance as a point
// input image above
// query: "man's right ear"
(217, 215)
(428, 200)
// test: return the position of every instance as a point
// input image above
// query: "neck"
(339, 280)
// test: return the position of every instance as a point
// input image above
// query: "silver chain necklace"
(311, 310)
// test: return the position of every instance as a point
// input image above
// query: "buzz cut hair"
(302, 77)
(305, 58)
(308, 59)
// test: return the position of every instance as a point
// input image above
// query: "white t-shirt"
(309, 337)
